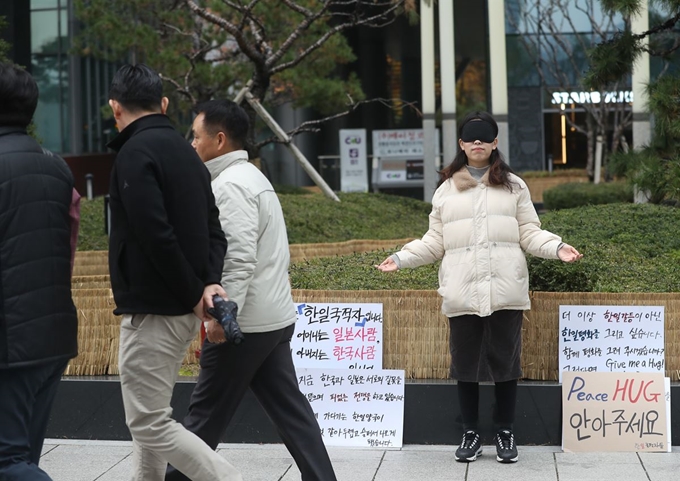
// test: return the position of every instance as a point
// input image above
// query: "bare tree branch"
(324, 38)
(314, 126)
(297, 8)
(178, 88)
(667, 25)
(288, 43)
(240, 39)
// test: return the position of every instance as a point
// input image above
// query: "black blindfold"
(478, 130)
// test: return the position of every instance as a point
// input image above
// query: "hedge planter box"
(538, 185)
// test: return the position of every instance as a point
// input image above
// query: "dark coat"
(38, 321)
(166, 242)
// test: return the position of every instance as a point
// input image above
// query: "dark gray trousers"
(26, 397)
(263, 363)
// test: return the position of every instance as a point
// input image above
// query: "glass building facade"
(72, 117)
(69, 119)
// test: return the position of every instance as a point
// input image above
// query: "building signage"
(398, 157)
(353, 163)
(619, 97)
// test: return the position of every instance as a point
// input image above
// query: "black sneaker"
(506, 450)
(470, 447)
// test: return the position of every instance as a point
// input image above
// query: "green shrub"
(626, 247)
(537, 174)
(576, 194)
(316, 218)
(310, 218)
(357, 272)
(91, 236)
(290, 190)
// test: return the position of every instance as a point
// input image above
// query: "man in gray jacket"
(255, 276)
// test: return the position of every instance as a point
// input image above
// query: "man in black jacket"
(166, 254)
(38, 321)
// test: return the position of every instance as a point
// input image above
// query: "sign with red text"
(338, 336)
(356, 408)
(615, 411)
(611, 339)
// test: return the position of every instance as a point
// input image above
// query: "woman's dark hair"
(498, 171)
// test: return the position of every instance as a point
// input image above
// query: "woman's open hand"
(388, 265)
(568, 254)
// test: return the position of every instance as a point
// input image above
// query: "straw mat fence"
(415, 332)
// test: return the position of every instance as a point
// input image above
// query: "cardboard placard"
(611, 339)
(338, 336)
(356, 408)
(611, 411)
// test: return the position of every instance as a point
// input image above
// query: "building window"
(49, 66)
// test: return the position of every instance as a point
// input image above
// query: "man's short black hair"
(138, 88)
(18, 96)
(225, 116)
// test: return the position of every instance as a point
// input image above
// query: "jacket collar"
(217, 165)
(150, 121)
(20, 142)
(12, 130)
(464, 181)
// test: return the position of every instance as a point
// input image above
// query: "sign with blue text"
(615, 411)
(611, 339)
(354, 407)
(338, 336)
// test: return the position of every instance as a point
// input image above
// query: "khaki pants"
(151, 351)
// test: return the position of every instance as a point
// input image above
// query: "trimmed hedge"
(540, 174)
(91, 236)
(626, 247)
(575, 194)
(357, 272)
(310, 218)
(316, 218)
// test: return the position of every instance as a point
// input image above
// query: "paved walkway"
(111, 461)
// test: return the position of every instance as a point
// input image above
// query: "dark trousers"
(26, 397)
(263, 363)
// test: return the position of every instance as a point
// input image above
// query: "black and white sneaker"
(506, 450)
(470, 447)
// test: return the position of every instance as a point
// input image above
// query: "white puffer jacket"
(255, 273)
(481, 231)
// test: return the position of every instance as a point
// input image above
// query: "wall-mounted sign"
(620, 97)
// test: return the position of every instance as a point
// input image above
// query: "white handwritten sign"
(615, 411)
(356, 408)
(611, 339)
(338, 336)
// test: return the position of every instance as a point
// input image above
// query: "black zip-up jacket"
(166, 243)
(38, 321)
